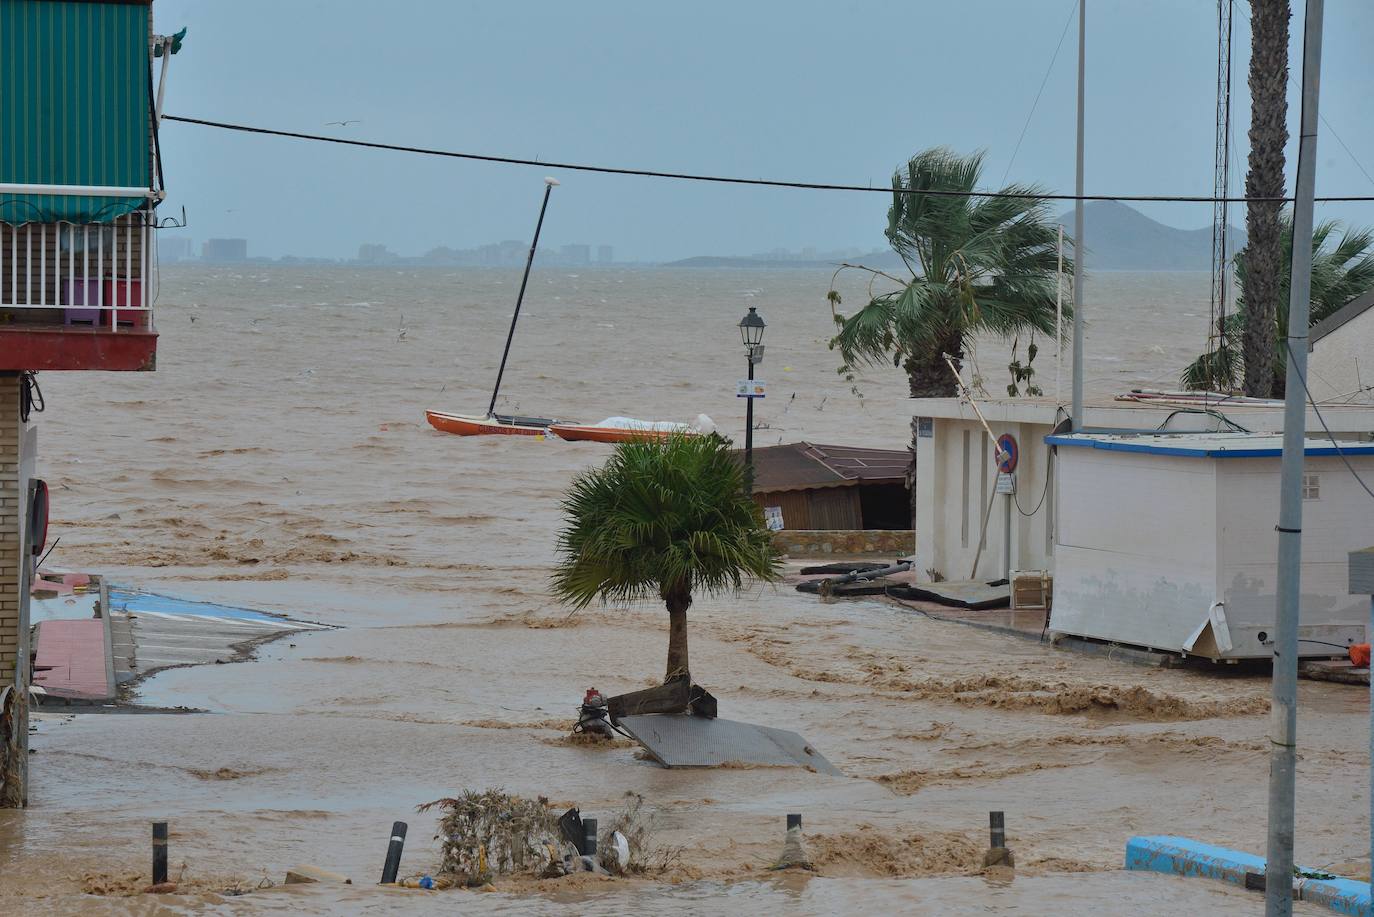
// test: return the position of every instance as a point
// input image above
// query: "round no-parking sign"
(1006, 446)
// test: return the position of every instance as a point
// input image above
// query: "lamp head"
(751, 328)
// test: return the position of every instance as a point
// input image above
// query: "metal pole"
(1278, 895)
(162, 76)
(1006, 535)
(1076, 414)
(1059, 318)
(589, 843)
(997, 829)
(159, 852)
(548, 189)
(749, 425)
(394, 849)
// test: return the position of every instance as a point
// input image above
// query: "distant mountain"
(878, 259)
(1121, 238)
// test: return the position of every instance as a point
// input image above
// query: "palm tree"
(1338, 276)
(979, 265)
(1268, 134)
(669, 518)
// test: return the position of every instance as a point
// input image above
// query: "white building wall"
(955, 481)
(1342, 362)
(943, 502)
(1136, 556)
(1337, 519)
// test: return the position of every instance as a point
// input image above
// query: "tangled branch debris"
(492, 833)
(647, 857)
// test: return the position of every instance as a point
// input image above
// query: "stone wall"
(14, 642)
(888, 542)
(11, 502)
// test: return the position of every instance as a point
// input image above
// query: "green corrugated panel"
(74, 105)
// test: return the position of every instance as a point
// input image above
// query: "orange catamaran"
(492, 422)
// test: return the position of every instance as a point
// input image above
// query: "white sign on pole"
(773, 516)
(1006, 484)
(750, 388)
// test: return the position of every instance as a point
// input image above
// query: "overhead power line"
(1041, 91)
(728, 180)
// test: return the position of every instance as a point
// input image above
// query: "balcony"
(78, 296)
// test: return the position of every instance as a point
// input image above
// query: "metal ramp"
(681, 740)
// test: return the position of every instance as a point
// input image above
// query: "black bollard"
(159, 852)
(589, 826)
(393, 853)
(998, 823)
(793, 821)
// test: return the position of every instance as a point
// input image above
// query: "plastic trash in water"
(427, 882)
(621, 846)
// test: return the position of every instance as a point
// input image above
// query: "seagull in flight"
(342, 123)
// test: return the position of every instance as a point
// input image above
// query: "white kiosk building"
(1168, 542)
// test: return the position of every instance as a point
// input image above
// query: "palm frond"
(660, 514)
(986, 265)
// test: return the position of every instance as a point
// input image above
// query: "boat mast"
(548, 188)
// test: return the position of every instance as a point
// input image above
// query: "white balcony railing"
(102, 275)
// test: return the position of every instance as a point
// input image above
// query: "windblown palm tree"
(979, 265)
(671, 519)
(1338, 276)
(1268, 134)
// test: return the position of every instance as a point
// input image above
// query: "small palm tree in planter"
(669, 518)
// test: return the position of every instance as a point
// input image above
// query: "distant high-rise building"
(577, 254)
(374, 253)
(224, 250)
(604, 254)
(172, 249)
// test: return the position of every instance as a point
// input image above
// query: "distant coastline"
(1120, 239)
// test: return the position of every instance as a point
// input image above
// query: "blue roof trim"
(1201, 452)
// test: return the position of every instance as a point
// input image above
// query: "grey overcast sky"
(792, 89)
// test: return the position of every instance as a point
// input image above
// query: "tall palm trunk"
(928, 375)
(930, 378)
(678, 598)
(1268, 134)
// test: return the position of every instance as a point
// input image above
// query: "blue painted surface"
(1344, 896)
(1199, 451)
(122, 599)
(1185, 857)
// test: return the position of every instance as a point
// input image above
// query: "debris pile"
(635, 851)
(492, 833)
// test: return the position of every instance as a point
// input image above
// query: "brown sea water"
(279, 459)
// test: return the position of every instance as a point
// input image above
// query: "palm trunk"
(678, 598)
(911, 470)
(1268, 134)
(928, 375)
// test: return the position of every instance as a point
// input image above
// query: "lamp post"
(751, 332)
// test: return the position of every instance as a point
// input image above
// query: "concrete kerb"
(1185, 857)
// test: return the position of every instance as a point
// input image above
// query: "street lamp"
(751, 332)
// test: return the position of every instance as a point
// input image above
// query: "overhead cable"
(728, 180)
(1329, 435)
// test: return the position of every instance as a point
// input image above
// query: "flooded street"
(279, 459)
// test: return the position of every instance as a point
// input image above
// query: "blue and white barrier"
(1184, 857)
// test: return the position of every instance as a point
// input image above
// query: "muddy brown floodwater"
(278, 459)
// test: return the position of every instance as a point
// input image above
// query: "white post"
(1077, 410)
(162, 76)
(1283, 734)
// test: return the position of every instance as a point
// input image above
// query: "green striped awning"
(74, 107)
